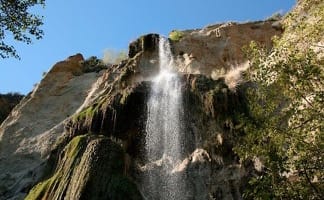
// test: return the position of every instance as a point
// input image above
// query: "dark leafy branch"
(18, 23)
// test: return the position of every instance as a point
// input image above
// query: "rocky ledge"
(79, 134)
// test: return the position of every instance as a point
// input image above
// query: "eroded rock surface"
(81, 135)
(91, 167)
(215, 50)
(30, 131)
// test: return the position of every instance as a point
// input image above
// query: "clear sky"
(90, 27)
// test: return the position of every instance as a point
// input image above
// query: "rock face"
(88, 170)
(81, 135)
(30, 131)
(215, 50)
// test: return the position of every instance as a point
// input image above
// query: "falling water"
(163, 130)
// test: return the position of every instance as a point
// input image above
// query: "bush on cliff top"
(176, 35)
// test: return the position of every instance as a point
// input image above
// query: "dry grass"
(233, 78)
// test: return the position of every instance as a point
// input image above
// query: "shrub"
(176, 35)
(93, 64)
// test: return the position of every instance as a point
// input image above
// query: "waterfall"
(164, 130)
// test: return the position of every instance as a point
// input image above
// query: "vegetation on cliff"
(277, 123)
(176, 35)
(284, 129)
(18, 22)
(7, 103)
(90, 167)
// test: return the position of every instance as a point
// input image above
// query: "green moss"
(39, 190)
(76, 145)
(87, 113)
(176, 35)
(72, 150)
(99, 169)
(84, 114)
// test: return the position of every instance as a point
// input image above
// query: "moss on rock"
(53, 186)
(91, 167)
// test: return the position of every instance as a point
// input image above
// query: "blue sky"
(90, 27)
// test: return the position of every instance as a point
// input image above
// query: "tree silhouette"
(18, 22)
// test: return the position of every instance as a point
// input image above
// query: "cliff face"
(30, 131)
(81, 135)
(215, 50)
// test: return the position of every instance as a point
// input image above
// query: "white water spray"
(163, 130)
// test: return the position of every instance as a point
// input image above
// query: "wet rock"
(91, 167)
(149, 42)
(81, 135)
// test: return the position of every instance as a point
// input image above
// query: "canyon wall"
(80, 133)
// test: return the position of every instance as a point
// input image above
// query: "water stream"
(164, 130)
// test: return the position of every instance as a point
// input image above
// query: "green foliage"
(304, 25)
(285, 123)
(7, 103)
(284, 127)
(93, 64)
(17, 21)
(176, 35)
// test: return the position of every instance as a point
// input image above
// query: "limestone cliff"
(80, 135)
(30, 131)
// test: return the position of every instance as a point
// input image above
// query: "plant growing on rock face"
(176, 35)
(93, 64)
(284, 128)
